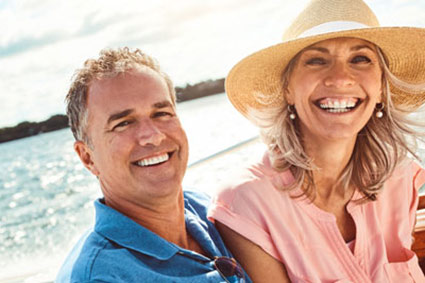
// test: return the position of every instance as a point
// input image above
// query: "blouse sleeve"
(418, 183)
(419, 179)
(244, 209)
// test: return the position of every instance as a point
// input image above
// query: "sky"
(42, 42)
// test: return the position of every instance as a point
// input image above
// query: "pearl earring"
(291, 110)
(379, 113)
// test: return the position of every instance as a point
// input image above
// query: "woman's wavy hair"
(109, 64)
(380, 146)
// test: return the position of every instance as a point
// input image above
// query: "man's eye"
(121, 124)
(162, 114)
(360, 59)
(316, 61)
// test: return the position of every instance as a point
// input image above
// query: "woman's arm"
(259, 265)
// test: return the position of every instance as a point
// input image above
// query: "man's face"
(139, 150)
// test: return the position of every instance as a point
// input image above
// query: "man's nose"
(339, 75)
(149, 134)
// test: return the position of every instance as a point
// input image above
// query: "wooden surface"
(421, 204)
(419, 235)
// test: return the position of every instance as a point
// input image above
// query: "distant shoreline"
(60, 121)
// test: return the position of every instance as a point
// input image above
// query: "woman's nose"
(339, 75)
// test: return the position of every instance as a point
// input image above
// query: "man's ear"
(85, 154)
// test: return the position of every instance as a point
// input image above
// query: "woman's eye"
(316, 61)
(360, 59)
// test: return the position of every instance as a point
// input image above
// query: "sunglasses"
(229, 269)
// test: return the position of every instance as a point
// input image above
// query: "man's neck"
(164, 217)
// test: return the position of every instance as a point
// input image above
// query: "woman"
(334, 199)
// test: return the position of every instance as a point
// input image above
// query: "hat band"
(333, 27)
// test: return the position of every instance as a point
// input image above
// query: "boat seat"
(419, 233)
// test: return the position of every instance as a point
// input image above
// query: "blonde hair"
(109, 64)
(380, 146)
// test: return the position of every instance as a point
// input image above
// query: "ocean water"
(46, 195)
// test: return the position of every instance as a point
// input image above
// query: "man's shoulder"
(79, 262)
(197, 198)
(197, 203)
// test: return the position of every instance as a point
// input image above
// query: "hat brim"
(256, 81)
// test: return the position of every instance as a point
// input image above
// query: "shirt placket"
(352, 263)
(360, 251)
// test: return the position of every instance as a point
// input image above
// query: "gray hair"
(109, 64)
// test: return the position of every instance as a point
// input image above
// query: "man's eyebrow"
(119, 115)
(163, 104)
(126, 112)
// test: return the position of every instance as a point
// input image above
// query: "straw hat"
(256, 81)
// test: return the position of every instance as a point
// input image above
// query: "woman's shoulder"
(408, 173)
(259, 179)
(403, 186)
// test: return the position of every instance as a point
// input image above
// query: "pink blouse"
(307, 239)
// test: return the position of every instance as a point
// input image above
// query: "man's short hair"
(109, 64)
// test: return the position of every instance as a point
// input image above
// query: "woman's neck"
(330, 158)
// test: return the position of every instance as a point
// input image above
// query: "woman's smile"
(338, 105)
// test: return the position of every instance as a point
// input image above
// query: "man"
(123, 116)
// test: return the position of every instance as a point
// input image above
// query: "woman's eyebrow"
(316, 48)
(325, 50)
(359, 47)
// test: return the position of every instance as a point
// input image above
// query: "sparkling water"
(46, 194)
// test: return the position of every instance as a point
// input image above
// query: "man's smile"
(154, 160)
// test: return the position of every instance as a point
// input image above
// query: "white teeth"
(337, 110)
(336, 106)
(153, 160)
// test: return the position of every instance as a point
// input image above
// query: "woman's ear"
(288, 96)
(86, 156)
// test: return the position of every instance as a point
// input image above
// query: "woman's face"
(335, 85)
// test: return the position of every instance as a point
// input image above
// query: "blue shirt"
(120, 250)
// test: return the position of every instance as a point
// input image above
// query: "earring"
(379, 113)
(291, 110)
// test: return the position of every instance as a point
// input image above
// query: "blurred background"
(46, 195)
(42, 42)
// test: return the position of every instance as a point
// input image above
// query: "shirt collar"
(120, 229)
(198, 229)
(127, 233)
